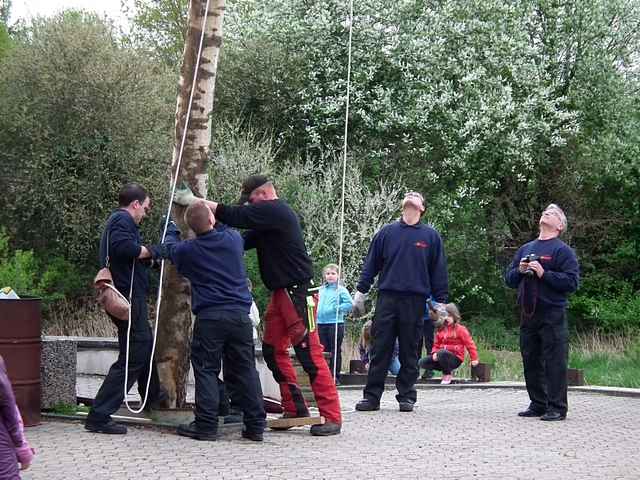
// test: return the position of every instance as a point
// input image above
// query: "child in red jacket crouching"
(450, 343)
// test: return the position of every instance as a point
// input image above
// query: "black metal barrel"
(20, 322)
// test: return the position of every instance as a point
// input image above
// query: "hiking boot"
(110, 427)
(326, 429)
(446, 379)
(192, 430)
(253, 436)
(406, 406)
(290, 415)
(366, 405)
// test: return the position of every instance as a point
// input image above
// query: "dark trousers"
(426, 337)
(397, 316)
(226, 336)
(111, 393)
(327, 332)
(447, 362)
(544, 344)
(229, 395)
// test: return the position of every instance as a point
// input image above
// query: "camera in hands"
(532, 257)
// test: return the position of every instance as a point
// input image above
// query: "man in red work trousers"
(273, 228)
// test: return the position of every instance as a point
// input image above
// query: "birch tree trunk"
(175, 323)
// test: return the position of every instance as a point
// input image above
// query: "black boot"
(366, 405)
(109, 427)
(326, 429)
(192, 430)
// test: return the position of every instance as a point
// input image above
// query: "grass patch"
(66, 409)
(606, 360)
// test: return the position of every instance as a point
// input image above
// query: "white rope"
(174, 182)
(344, 175)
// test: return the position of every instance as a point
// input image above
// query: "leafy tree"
(81, 115)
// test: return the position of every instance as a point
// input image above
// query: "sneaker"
(290, 415)
(110, 427)
(406, 406)
(366, 405)
(253, 436)
(326, 429)
(446, 379)
(192, 430)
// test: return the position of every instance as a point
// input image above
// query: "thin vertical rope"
(344, 175)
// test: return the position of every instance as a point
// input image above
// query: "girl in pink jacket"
(14, 448)
(452, 339)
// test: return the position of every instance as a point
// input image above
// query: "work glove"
(359, 308)
(184, 196)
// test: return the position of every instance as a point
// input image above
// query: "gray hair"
(561, 215)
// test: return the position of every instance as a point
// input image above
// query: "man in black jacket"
(409, 260)
(121, 245)
(545, 271)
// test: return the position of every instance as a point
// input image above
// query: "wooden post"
(575, 377)
(481, 373)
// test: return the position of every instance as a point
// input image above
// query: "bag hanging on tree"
(107, 295)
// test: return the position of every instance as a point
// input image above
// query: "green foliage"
(159, 26)
(49, 278)
(81, 116)
(494, 334)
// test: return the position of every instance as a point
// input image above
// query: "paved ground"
(452, 434)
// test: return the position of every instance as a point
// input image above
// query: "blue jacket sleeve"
(167, 249)
(512, 277)
(567, 276)
(123, 243)
(438, 273)
(373, 263)
(345, 301)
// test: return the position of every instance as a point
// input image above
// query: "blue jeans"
(394, 366)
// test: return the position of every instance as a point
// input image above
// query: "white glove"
(184, 196)
(359, 308)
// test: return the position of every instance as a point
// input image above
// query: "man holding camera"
(545, 271)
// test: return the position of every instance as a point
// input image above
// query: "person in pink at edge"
(451, 341)
(14, 448)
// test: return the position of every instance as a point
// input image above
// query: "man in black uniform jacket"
(122, 243)
(545, 271)
(408, 258)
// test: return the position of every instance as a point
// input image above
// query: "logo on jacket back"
(421, 244)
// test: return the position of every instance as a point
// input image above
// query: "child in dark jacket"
(14, 448)
(452, 339)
